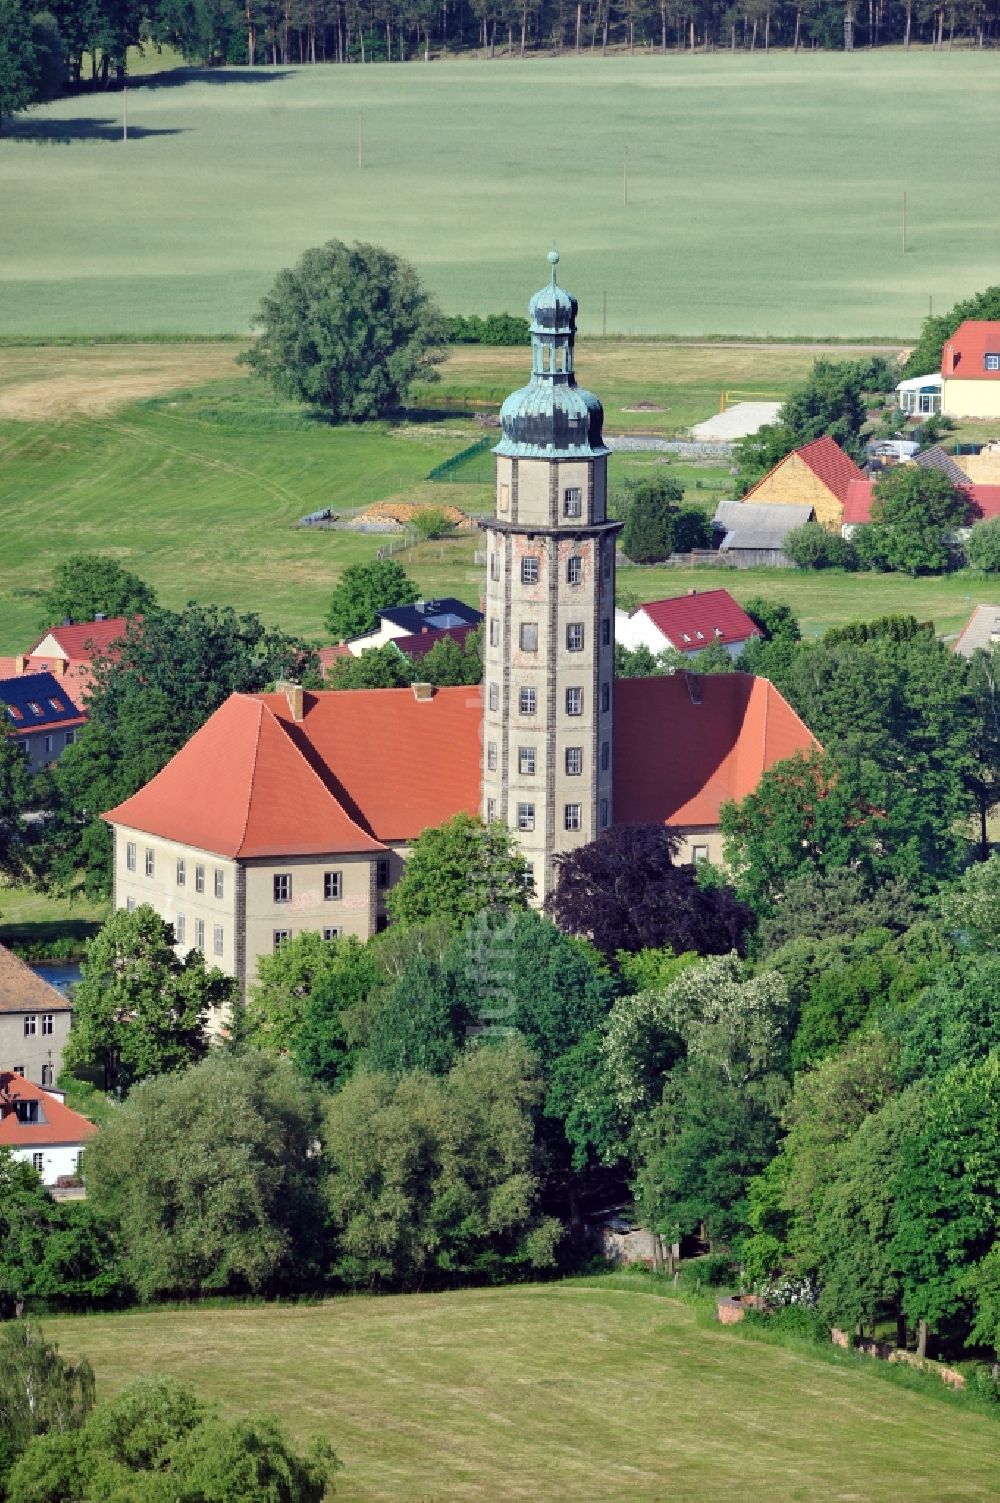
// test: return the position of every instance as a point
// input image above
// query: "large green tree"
(656, 524)
(937, 329)
(155, 1442)
(41, 1394)
(348, 329)
(363, 591)
(17, 794)
(914, 512)
(88, 583)
(210, 1179)
(139, 1010)
(32, 62)
(437, 1178)
(56, 1251)
(458, 869)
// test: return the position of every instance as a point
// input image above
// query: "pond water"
(62, 976)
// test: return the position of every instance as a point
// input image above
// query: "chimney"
(19, 664)
(692, 592)
(422, 691)
(295, 696)
(59, 666)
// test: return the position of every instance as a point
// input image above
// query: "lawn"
(765, 192)
(562, 1392)
(29, 917)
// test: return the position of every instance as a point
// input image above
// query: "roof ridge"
(253, 766)
(285, 729)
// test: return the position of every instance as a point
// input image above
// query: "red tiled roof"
(82, 641)
(964, 355)
(700, 617)
(984, 502)
(62, 1127)
(418, 644)
(23, 990)
(685, 743)
(329, 655)
(401, 764)
(243, 787)
(828, 462)
(8, 667)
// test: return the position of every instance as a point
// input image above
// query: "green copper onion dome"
(552, 417)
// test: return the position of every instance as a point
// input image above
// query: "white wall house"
(688, 623)
(39, 1128)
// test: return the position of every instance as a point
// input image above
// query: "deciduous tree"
(86, 584)
(459, 869)
(363, 591)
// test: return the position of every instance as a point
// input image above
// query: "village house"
(817, 475)
(983, 504)
(752, 535)
(687, 623)
(37, 1127)
(968, 385)
(39, 714)
(404, 621)
(34, 1022)
(67, 652)
(295, 810)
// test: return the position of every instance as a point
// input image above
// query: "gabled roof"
(437, 614)
(981, 630)
(243, 786)
(59, 1126)
(700, 617)
(36, 702)
(759, 524)
(686, 743)
(936, 458)
(400, 764)
(419, 644)
(984, 502)
(964, 355)
(83, 640)
(828, 462)
(23, 990)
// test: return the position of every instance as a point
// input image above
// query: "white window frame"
(574, 761)
(218, 941)
(220, 883)
(281, 887)
(573, 817)
(333, 886)
(527, 701)
(30, 1025)
(526, 761)
(130, 856)
(574, 701)
(574, 569)
(530, 569)
(574, 636)
(572, 501)
(525, 817)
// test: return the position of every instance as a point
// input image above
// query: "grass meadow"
(595, 1390)
(764, 197)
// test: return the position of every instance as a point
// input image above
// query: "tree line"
(85, 43)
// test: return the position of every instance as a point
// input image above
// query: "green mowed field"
(561, 1392)
(764, 192)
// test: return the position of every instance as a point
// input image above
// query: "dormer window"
(993, 362)
(54, 703)
(34, 707)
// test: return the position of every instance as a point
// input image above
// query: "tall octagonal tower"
(548, 655)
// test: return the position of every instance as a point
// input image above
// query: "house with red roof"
(40, 1129)
(970, 370)
(983, 505)
(67, 652)
(687, 623)
(818, 475)
(295, 810)
(34, 1022)
(37, 711)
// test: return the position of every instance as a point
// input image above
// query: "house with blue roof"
(398, 621)
(36, 709)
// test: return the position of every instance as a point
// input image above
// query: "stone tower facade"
(548, 679)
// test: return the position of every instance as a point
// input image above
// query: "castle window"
(605, 698)
(605, 755)
(503, 504)
(220, 882)
(130, 905)
(281, 937)
(571, 816)
(46, 1075)
(179, 926)
(494, 632)
(70, 737)
(529, 570)
(48, 746)
(572, 501)
(46, 1023)
(491, 810)
(606, 632)
(199, 935)
(329, 934)
(604, 814)
(30, 1025)
(130, 856)
(699, 853)
(282, 887)
(574, 761)
(574, 636)
(199, 879)
(574, 701)
(491, 756)
(527, 701)
(494, 566)
(382, 872)
(494, 696)
(529, 636)
(181, 872)
(38, 1162)
(332, 886)
(574, 569)
(218, 939)
(526, 761)
(525, 816)
(149, 862)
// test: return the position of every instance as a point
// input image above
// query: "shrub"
(812, 547)
(792, 1320)
(710, 1272)
(495, 329)
(982, 547)
(431, 522)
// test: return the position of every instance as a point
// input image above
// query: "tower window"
(494, 696)
(574, 569)
(572, 501)
(529, 636)
(605, 698)
(526, 761)
(491, 810)
(494, 566)
(491, 756)
(525, 816)
(527, 701)
(503, 500)
(494, 632)
(606, 632)
(571, 817)
(529, 570)
(574, 701)
(608, 555)
(605, 755)
(382, 873)
(574, 761)
(604, 814)
(574, 636)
